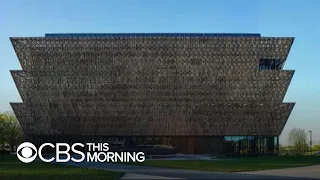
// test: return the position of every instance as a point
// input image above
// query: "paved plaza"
(145, 172)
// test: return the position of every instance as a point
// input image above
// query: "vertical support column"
(270, 145)
(278, 145)
(240, 146)
(253, 146)
(190, 145)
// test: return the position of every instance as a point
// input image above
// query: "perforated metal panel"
(160, 84)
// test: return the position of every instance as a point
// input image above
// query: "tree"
(3, 128)
(298, 141)
(10, 130)
(282, 149)
(316, 147)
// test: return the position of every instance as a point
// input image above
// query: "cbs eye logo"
(25, 151)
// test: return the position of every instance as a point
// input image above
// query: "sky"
(285, 18)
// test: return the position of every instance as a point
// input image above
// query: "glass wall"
(251, 145)
(165, 145)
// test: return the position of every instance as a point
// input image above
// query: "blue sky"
(294, 18)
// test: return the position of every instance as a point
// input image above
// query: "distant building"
(199, 93)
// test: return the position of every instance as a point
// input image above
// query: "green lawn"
(236, 164)
(12, 168)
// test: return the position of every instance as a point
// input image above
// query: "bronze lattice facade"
(163, 86)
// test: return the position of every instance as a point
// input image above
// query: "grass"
(12, 168)
(236, 164)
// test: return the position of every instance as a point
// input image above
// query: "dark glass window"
(251, 145)
(271, 64)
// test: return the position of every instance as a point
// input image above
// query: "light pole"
(310, 141)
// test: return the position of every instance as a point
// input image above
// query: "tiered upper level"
(224, 84)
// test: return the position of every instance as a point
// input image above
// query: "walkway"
(133, 172)
(306, 171)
